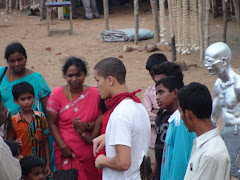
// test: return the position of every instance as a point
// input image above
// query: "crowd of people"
(105, 132)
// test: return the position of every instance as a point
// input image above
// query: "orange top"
(31, 134)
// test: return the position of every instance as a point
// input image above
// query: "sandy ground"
(85, 42)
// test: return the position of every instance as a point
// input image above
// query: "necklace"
(11, 75)
(69, 93)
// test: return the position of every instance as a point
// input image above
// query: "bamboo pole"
(236, 9)
(207, 25)
(174, 55)
(200, 10)
(224, 4)
(136, 39)
(155, 20)
(106, 14)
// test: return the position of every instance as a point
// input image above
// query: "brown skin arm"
(44, 101)
(96, 131)
(47, 153)
(121, 162)
(53, 127)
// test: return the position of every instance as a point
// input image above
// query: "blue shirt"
(177, 149)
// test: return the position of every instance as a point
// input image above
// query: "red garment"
(86, 107)
(111, 104)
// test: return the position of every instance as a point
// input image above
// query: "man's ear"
(110, 80)
(189, 114)
(175, 91)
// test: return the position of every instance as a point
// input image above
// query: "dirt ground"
(85, 42)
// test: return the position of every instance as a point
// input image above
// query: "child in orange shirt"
(30, 127)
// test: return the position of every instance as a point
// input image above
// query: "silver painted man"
(226, 98)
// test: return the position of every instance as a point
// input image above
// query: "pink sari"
(86, 107)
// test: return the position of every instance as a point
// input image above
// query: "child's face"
(25, 101)
(36, 173)
(165, 99)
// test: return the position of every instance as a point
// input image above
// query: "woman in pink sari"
(75, 100)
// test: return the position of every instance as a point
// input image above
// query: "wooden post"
(20, 5)
(136, 38)
(214, 8)
(200, 9)
(236, 10)
(224, 5)
(6, 5)
(174, 55)
(42, 5)
(155, 20)
(106, 14)
(207, 25)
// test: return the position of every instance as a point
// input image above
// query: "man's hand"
(98, 144)
(99, 160)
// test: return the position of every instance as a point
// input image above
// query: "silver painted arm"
(216, 105)
(237, 85)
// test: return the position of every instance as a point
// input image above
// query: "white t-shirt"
(128, 125)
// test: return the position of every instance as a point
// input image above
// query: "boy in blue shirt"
(178, 141)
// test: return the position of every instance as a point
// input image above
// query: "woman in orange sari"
(75, 100)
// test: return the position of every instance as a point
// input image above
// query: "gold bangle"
(63, 146)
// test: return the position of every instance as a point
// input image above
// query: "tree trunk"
(174, 58)
(200, 10)
(136, 39)
(207, 25)
(155, 20)
(224, 4)
(236, 9)
(106, 14)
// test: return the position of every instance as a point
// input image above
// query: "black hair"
(22, 88)
(111, 67)
(155, 59)
(168, 69)
(79, 63)
(13, 48)
(197, 98)
(14, 147)
(171, 83)
(102, 106)
(30, 162)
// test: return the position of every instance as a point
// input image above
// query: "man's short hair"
(30, 162)
(155, 59)
(111, 67)
(171, 83)
(168, 69)
(22, 88)
(197, 98)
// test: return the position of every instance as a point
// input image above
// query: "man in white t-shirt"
(127, 134)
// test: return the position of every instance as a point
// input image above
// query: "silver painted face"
(214, 66)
